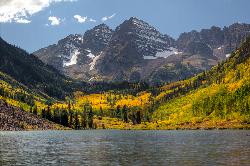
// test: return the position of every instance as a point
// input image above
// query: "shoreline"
(136, 128)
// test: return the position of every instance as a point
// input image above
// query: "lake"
(115, 147)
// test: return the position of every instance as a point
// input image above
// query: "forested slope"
(30, 71)
(219, 96)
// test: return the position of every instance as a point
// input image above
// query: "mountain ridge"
(136, 51)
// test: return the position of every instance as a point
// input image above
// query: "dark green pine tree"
(90, 117)
(125, 114)
(35, 110)
(49, 114)
(138, 117)
(64, 118)
(118, 111)
(71, 119)
(77, 124)
(84, 117)
(43, 114)
(57, 116)
(133, 118)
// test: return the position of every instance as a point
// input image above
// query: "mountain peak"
(134, 19)
(135, 24)
(98, 37)
(101, 27)
(99, 30)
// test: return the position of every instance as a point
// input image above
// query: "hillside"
(213, 98)
(33, 73)
(13, 118)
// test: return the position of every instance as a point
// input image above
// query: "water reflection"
(113, 147)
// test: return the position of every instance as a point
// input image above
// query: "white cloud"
(23, 21)
(54, 20)
(80, 19)
(108, 17)
(92, 20)
(14, 10)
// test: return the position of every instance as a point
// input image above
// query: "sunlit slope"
(19, 95)
(219, 95)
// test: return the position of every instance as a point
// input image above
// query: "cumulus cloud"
(80, 19)
(54, 20)
(20, 10)
(105, 18)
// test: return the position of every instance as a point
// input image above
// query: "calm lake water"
(114, 147)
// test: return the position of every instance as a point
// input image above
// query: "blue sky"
(43, 23)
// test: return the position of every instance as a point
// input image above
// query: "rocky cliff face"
(75, 55)
(134, 43)
(218, 42)
(136, 51)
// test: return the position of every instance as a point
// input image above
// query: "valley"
(59, 92)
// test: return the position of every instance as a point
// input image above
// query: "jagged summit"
(135, 49)
(134, 22)
(147, 40)
(134, 18)
(72, 39)
(101, 28)
(97, 38)
(133, 45)
(102, 25)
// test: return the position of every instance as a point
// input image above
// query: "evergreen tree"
(101, 112)
(125, 114)
(90, 118)
(64, 118)
(84, 117)
(43, 114)
(138, 117)
(57, 116)
(35, 110)
(71, 119)
(118, 111)
(77, 124)
(133, 118)
(48, 113)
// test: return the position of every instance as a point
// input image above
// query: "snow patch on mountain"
(163, 54)
(228, 55)
(167, 53)
(90, 55)
(88, 50)
(92, 64)
(149, 57)
(73, 58)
